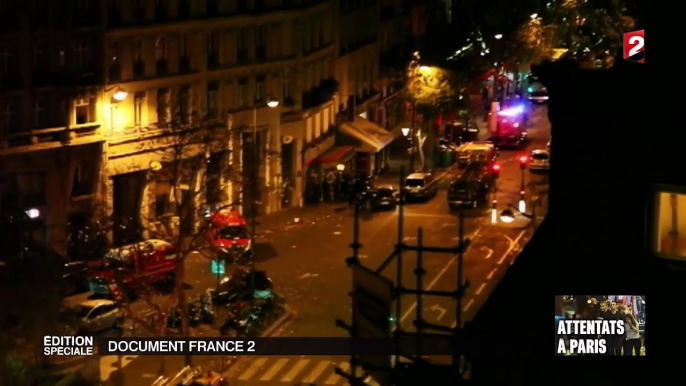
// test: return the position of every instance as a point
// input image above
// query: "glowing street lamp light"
(424, 68)
(340, 167)
(405, 131)
(499, 36)
(272, 102)
(120, 94)
(534, 16)
(33, 213)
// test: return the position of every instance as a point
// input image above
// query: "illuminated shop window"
(669, 236)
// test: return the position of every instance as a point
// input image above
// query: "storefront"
(333, 162)
(370, 142)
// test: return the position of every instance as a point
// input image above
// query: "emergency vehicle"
(145, 263)
(510, 128)
(228, 234)
(475, 151)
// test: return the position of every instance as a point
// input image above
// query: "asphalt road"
(307, 264)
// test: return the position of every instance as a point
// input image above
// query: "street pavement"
(306, 261)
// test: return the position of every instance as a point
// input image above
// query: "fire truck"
(228, 234)
(145, 263)
(510, 130)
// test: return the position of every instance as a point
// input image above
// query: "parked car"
(420, 186)
(540, 160)
(96, 315)
(385, 197)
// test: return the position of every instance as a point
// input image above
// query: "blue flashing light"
(512, 111)
(530, 89)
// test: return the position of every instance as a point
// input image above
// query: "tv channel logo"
(634, 46)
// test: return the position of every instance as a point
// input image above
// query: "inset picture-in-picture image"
(600, 325)
(669, 235)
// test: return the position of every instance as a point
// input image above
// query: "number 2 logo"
(637, 42)
(634, 46)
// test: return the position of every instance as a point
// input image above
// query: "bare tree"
(197, 173)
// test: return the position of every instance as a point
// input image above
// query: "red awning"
(487, 74)
(336, 154)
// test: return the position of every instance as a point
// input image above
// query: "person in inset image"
(632, 343)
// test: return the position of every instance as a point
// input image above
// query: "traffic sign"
(373, 297)
(217, 267)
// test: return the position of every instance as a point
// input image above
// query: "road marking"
(323, 365)
(290, 376)
(441, 311)
(436, 279)
(513, 244)
(274, 369)
(254, 367)
(481, 288)
(489, 254)
(345, 367)
(490, 275)
(469, 304)
(429, 215)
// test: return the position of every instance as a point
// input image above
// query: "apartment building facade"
(51, 121)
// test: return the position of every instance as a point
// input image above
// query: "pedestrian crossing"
(295, 371)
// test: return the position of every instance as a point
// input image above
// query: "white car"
(97, 315)
(540, 160)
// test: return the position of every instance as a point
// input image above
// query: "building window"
(7, 65)
(84, 110)
(212, 49)
(38, 58)
(138, 54)
(10, 118)
(183, 45)
(39, 114)
(184, 105)
(138, 105)
(163, 106)
(161, 48)
(82, 184)
(212, 100)
(81, 55)
(287, 84)
(261, 42)
(260, 87)
(242, 92)
(242, 45)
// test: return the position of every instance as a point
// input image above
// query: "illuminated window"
(669, 233)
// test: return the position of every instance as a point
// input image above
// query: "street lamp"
(499, 36)
(534, 16)
(523, 160)
(119, 95)
(340, 167)
(405, 131)
(424, 68)
(270, 102)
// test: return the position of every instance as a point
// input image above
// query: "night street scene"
(274, 168)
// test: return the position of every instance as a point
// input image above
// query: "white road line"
(436, 279)
(345, 366)
(469, 304)
(290, 376)
(489, 254)
(274, 369)
(490, 275)
(481, 288)
(323, 365)
(513, 244)
(254, 367)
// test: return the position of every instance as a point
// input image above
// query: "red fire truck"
(228, 234)
(148, 262)
(510, 131)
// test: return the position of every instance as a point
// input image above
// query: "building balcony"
(43, 139)
(139, 69)
(161, 67)
(114, 72)
(184, 64)
(212, 60)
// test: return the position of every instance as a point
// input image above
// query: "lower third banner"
(408, 346)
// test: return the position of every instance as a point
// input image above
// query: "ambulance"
(228, 234)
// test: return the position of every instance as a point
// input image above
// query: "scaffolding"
(422, 327)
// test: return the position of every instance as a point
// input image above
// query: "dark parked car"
(471, 188)
(385, 197)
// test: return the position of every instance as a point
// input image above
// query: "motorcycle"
(194, 316)
(174, 319)
(237, 287)
(249, 326)
(232, 320)
(204, 308)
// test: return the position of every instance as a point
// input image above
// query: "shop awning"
(371, 136)
(334, 156)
